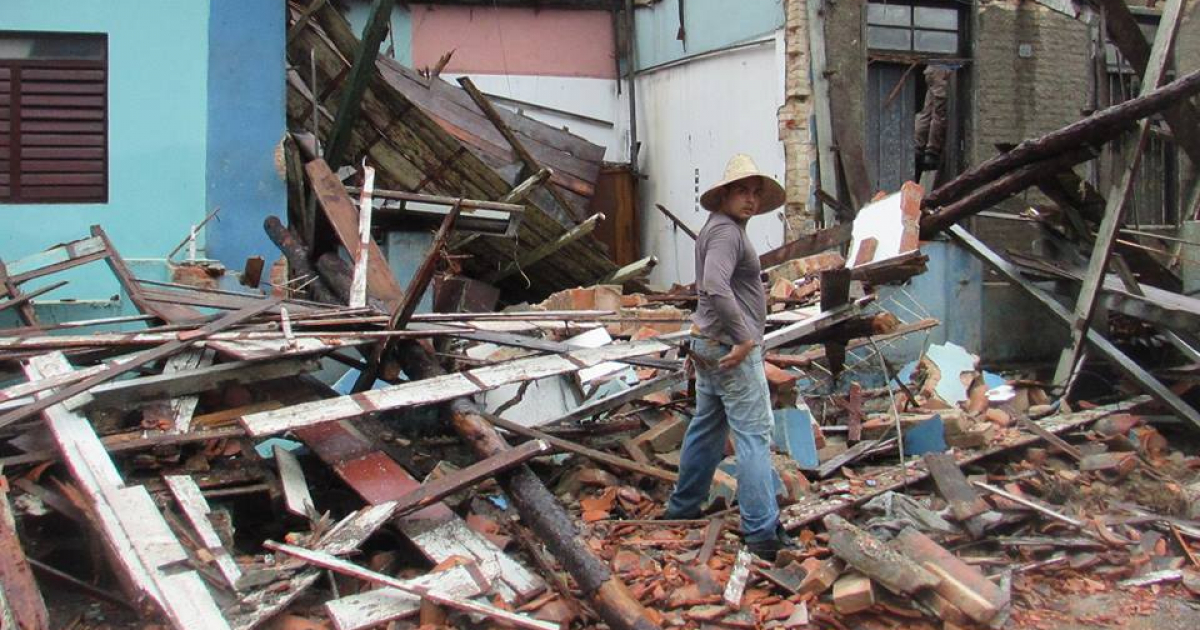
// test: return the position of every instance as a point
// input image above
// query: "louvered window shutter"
(53, 130)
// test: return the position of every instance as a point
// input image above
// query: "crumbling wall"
(795, 118)
(1031, 76)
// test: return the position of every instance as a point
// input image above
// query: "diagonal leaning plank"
(138, 539)
(441, 388)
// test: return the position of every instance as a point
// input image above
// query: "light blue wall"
(158, 74)
(950, 291)
(359, 10)
(708, 24)
(245, 125)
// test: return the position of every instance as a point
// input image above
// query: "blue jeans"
(738, 399)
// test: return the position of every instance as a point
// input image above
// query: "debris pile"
(335, 453)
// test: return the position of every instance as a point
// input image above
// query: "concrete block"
(853, 593)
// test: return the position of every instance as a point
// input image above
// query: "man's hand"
(736, 354)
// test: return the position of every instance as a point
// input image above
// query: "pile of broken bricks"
(509, 467)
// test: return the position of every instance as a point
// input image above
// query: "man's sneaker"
(769, 548)
(681, 516)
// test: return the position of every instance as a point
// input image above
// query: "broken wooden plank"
(525, 259)
(440, 388)
(433, 491)
(138, 539)
(183, 341)
(182, 408)
(25, 298)
(518, 147)
(965, 504)
(1117, 198)
(961, 584)
(608, 403)
(380, 606)
(358, 279)
(822, 321)
(631, 272)
(850, 456)
(339, 208)
(1119, 359)
(337, 565)
(195, 509)
(296, 496)
(877, 560)
(20, 596)
(24, 308)
(356, 81)
(590, 453)
(435, 530)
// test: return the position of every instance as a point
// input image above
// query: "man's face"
(742, 199)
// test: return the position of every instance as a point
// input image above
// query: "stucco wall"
(158, 75)
(245, 127)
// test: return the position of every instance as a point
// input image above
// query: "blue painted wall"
(357, 12)
(246, 122)
(157, 109)
(950, 291)
(708, 24)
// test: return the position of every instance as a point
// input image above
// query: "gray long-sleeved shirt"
(732, 306)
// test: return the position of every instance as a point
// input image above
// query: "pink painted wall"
(488, 40)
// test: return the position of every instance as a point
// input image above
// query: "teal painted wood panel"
(708, 24)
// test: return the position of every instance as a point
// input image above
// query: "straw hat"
(742, 167)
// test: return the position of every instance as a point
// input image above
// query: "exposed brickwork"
(794, 119)
(1020, 97)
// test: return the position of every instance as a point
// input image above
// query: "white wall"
(692, 117)
(589, 108)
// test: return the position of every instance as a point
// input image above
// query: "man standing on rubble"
(726, 351)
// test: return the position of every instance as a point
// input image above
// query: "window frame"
(69, 180)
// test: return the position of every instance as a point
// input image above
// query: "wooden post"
(531, 165)
(538, 507)
(356, 82)
(546, 249)
(1095, 129)
(1118, 196)
(358, 282)
(1119, 359)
